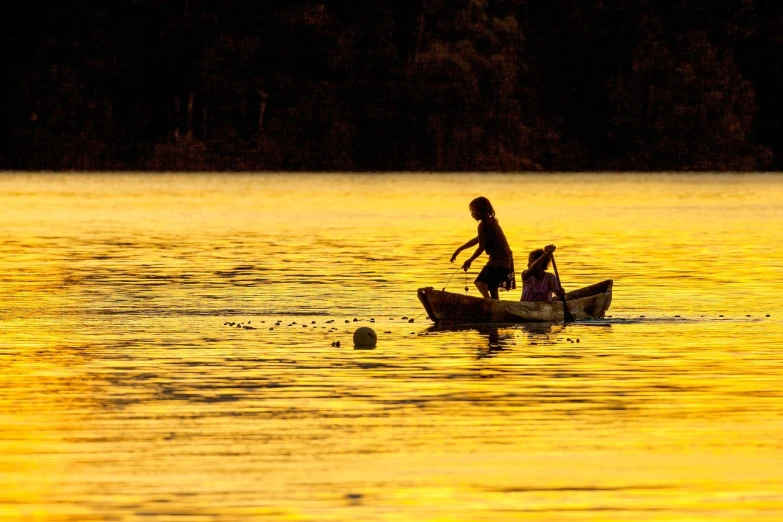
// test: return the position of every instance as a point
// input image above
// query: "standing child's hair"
(482, 206)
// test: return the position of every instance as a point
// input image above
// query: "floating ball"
(364, 336)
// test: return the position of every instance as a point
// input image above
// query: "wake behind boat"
(590, 302)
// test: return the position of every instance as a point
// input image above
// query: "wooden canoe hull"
(590, 302)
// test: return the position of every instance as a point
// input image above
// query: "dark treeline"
(438, 85)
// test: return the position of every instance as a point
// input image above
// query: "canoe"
(590, 302)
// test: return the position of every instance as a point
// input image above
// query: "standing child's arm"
(468, 261)
(481, 241)
(469, 244)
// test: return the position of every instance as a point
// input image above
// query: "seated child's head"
(535, 254)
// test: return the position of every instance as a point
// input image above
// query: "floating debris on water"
(404, 318)
(354, 499)
(767, 315)
(347, 321)
(410, 320)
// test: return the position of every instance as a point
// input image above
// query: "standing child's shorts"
(497, 277)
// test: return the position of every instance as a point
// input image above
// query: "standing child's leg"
(482, 288)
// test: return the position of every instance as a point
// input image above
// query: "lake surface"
(126, 396)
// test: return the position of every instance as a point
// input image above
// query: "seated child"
(537, 284)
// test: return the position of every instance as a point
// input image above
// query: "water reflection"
(495, 338)
(498, 336)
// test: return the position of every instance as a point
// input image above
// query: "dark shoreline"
(341, 85)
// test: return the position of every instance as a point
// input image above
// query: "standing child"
(537, 284)
(499, 270)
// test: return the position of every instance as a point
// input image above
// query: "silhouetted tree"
(681, 107)
(393, 85)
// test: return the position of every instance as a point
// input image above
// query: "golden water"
(125, 396)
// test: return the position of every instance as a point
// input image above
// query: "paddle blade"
(567, 317)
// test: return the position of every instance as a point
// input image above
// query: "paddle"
(567, 317)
